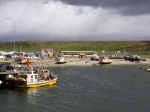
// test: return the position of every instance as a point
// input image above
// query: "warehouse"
(79, 54)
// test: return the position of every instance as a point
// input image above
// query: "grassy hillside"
(99, 46)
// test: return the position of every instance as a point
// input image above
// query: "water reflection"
(84, 89)
(53, 86)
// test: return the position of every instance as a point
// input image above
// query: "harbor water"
(106, 88)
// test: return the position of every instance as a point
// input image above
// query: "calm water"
(85, 89)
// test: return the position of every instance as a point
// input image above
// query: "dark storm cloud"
(125, 7)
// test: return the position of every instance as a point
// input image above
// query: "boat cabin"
(29, 76)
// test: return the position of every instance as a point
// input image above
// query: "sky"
(74, 20)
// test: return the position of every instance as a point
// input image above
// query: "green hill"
(99, 46)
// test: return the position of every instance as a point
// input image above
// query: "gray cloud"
(125, 7)
(74, 20)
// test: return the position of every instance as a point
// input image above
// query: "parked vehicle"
(30, 56)
(8, 56)
(94, 58)
(132, 58)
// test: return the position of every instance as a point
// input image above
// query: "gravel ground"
(83, 62)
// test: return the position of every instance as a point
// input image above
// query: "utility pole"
(14, 38)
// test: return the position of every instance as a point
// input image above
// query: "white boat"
(147, 69)
(1, 82)
(60, 60)
(105, 60)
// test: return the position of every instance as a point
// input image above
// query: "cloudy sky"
(74, 20)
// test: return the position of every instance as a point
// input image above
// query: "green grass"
(98, 46)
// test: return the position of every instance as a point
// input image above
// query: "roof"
(77, 51)
(82, 54)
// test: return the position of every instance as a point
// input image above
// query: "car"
(94, 58)
(8, 56)
(28, 56)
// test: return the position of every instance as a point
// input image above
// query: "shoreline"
(85, 62)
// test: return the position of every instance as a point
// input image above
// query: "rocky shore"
(84, 62)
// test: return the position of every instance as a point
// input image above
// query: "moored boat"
(147, 69)
(105, 60)
(20, 81)
(60, 60)
(10, 81)
(32, 79)
(11, 74)
(25, 61)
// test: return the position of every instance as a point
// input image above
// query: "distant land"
(138, 47)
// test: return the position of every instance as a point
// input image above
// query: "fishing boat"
(11, 74)
(105, 60)
(31, 79)
(60, 60)
(23, 60)
(10, 81)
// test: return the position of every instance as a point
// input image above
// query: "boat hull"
(10, 81)
(147, 70)
(39, 84)
(24, 62)
(59, 62)
(20, 81)
(105, 62)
